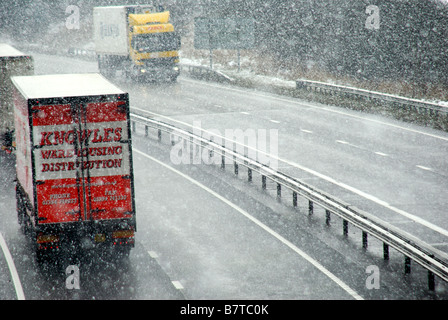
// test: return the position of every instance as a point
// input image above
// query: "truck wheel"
(172, 79)
(21, 210)
(40, 256)
(43, 256)
(122, 252)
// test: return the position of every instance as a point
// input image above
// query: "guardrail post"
(279, 190)
(210, 153)
(345, 227)
(133, 126)
(249, 174)
(310, 207)
(327, 217)
(385, 251)
(223, 158)
(235, 164)
(159, 135)
(263, 182)
(407, 265)
(294, 199)
(191, 149)
(146, 130)
(431, 281)
(364, 240)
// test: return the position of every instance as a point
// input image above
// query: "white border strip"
(12, 269)
(263, 226)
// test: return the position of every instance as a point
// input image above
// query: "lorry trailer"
(75, 186)
(137, 40)
(12, 63)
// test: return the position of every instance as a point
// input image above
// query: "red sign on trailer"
(74, 159)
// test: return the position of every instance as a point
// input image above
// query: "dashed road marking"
(177, 285)
(381, 154)
(439, 244)
(349, 144)
(424, 168)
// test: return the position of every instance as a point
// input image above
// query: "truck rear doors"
(82, 160)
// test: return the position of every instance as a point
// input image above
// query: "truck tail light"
(47, 241)
(123, 237)
(123, 234)
(100, 237)
(46, 238)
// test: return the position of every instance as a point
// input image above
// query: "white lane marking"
(315, 263)
(349, 144)
(381, 154)
(274, 121)
(439, 244)
(321, 108)
(306, 131)
(177, 285)
(244, 112)
(424, 168)
(12, 269)
(355, 146)
(358, 147)
(327, 178)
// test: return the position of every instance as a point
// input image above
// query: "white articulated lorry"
(12, 63)
(136, 40)
(74, 163)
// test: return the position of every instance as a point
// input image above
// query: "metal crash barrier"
(420, 107)
(434, 261)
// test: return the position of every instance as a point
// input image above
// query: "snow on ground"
(243, 74)
(263, 80)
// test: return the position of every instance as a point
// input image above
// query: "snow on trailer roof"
(7, 51)
(64, 85)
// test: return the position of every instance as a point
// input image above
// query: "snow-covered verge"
(391, 105)
(249, 78)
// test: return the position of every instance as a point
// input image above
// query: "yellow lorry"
(137, 40)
